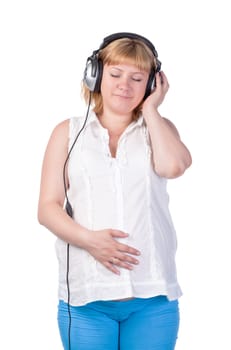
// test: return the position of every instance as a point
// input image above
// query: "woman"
(116, 243)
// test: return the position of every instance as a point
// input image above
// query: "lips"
(123, 96)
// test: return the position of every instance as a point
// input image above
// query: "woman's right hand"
(104, 247)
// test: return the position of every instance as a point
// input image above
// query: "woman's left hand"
(155, 99)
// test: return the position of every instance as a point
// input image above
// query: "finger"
(164, 80)
(117, 233)
(114, 260)
(159, 81)
(112, 267)
(125, 265)
(127, 249)
(127, 259)
(163, 75)
(121, 263)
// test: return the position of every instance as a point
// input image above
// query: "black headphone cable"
(69, 211)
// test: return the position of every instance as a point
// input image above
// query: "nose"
(123, 83)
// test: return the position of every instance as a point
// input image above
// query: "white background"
(44, 45)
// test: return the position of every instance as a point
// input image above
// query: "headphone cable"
(68, 205)
(69, 211)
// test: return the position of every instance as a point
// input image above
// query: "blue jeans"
(136, 324)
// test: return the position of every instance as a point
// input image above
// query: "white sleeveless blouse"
(121, 193)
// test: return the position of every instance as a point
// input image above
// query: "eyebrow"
(135, 72)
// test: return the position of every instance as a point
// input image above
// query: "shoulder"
(59, 134)
(68, 128)
(61, 127)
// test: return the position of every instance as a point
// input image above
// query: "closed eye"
(137, 79)
(115, 75)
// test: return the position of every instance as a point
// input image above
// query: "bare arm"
(100, 244)
(170, 156)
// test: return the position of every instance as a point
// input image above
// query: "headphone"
(94, 66)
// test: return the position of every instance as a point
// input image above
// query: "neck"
(115, 124)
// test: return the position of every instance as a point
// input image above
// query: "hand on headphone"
(155, 99)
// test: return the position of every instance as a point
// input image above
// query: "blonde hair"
(125, 50)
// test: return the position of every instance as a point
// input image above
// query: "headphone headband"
(108, 39)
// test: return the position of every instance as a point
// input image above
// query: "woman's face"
(123, 87)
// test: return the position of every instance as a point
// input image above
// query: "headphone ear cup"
(90, 73)
(93, 73)
(150, 84)
(99, 76)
